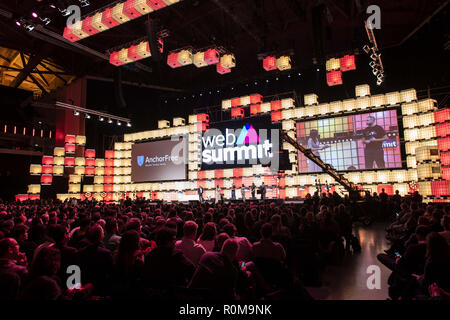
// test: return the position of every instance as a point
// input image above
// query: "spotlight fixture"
(366, 49)
(52, 6)
(34, 15)
(375, 56)
(88, 116)
(18, 23)
(76, 113)
(128, 124)
(101, 119)
(45, 20)
(110, 121)
(119, 123)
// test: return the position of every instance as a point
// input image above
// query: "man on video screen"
(373, 137)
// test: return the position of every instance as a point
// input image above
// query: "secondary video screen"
(158, 161)
(356, 142)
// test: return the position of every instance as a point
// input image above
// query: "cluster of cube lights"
(201, 59)
(335, 67)
(281, 63)
(132, 53)
(120, 13)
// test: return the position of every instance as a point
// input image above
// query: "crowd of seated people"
(140, 249)
(419, 256)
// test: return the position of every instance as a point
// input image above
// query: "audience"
(251, 250)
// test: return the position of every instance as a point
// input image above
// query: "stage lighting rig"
(376, 64)
(85, 3)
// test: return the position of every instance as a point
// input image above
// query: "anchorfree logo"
(235, 145)
(155, 160)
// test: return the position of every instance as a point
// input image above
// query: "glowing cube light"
(123, 55)
(156, 4)
(118, 14)
(408, 95)
(283, 63)
(108, 19)
(68, 34)
(46, 179)
(334, 78)
(184, 57)
(47, 160)
(270, 63)
(143, 49)
(347, 63)
(80, 140)
(58, 152)
(393, 98)
(129, 9)
(35, 169)
(199, 60)
(362, 90)
(98, 23)
(310, 99)
(221, 69)
(228, 61)
(114, 59)
(172, 60)
(333, 64)
(88, 27)
(89, 153)
(212, 56)
(77, 30)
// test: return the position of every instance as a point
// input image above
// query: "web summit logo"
(240, 145)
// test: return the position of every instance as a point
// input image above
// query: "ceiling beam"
(33, 61)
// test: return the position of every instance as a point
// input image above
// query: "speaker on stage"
(152, 35)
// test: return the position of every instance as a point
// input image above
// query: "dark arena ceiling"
(311, 31)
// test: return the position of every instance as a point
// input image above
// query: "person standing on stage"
(253, 189)
(315, 147)
(243, 192)
(218, 194)
(200, 194)
(373, 137)
(233, 192)
(262, 190)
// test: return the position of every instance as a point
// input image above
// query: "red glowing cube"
(22, 197)
(108, 19)
(276, 116)
(108, 188)
(69, 148)
(172, 60)
(440, 188)
(109, 171)
(201, 175)
(34, 197)
(443, 130)
(444, 144)
(237, 113)
(89, 153)
(442, 115)
(203, 117)
(347, 63)
(47, 169)
(133, 54)
(114, 59)
(87, 26)
(108, 179)
(69, 35)
(46, 179)
(269, 63)
(109, 162)
(255, 98)
(129, 10)
(109, 154)
(69, 161)
(237, 172)
(89, 162)
(156, 4)
(212, 56)
(255, 108)
(218, 174)
(89, 171)
(445, 173)
(235, 102)
(334, 78)
(445, 159)
(221, 69)
(70, 139)
(275, 105)
(47, 160)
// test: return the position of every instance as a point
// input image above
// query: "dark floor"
(349, 280)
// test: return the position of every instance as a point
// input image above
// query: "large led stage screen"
(240, 143)
(158, 161)
(364, 141)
